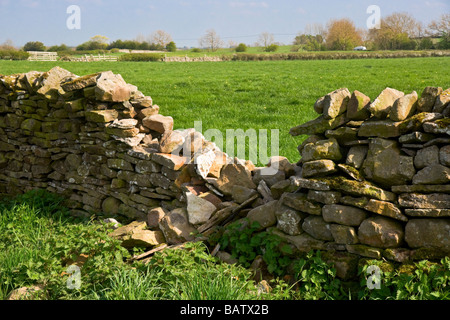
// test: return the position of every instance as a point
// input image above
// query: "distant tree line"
(398, 31)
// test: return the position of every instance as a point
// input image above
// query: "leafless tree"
(265, 39)
(211, 40)
(7, 45)
(401, 22)
(232, 44)
(440, 27)
(395, 28)
(315, 29)
(140, 38)
(161, 38)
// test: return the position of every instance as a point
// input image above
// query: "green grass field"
(259, 95)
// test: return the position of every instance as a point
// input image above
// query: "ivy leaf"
(286, 249)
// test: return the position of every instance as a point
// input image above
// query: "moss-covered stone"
(322, 150)
(123, 132)
(342, 134)
(442, 100)
(385, 208)
(358, 106)
(441, 126)
(386, 165)
(318, 126)
(358, 188)
(75, 105)
(351, 171)
(318, 168)
(380, 128)
(365, 251)
(299, 201)
(119, 164)
(13, 121)
(428, 98)
(404, 107)
(50, 136)
(80, 82)
(31, 125)
(382, 105)
(335, 103)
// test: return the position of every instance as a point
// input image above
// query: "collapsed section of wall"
(373, 179)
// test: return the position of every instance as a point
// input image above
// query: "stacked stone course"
(381, 172)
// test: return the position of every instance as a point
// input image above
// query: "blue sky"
(188, 20)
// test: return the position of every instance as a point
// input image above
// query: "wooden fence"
(53, 56)
(42, 56)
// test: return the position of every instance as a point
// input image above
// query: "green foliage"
(141, 57)
(309, 42)
(245, 243)
(39, 239)
(196, 50)
(133, 45)
(426, 44)
(241, 47)
(82, 52)
(444, 41)
(34, 46)
(59, 48)
(13, 55)
(188, 273)
(423, 280)
(316, 279)
(271, 48)
(399, 41)
(171, 47)
(92, 45)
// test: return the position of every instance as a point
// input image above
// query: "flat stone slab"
(424, 201)
(422, 188)
(429, 213)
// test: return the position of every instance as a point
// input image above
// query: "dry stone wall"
(373, 179)
(379, 170)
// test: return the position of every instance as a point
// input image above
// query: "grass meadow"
(258, 95)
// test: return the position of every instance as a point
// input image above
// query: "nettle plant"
(245, 243)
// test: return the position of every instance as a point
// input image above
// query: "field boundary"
(308, 56)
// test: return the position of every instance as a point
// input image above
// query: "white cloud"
(435, 4)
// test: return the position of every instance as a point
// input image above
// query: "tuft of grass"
(39, 240)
